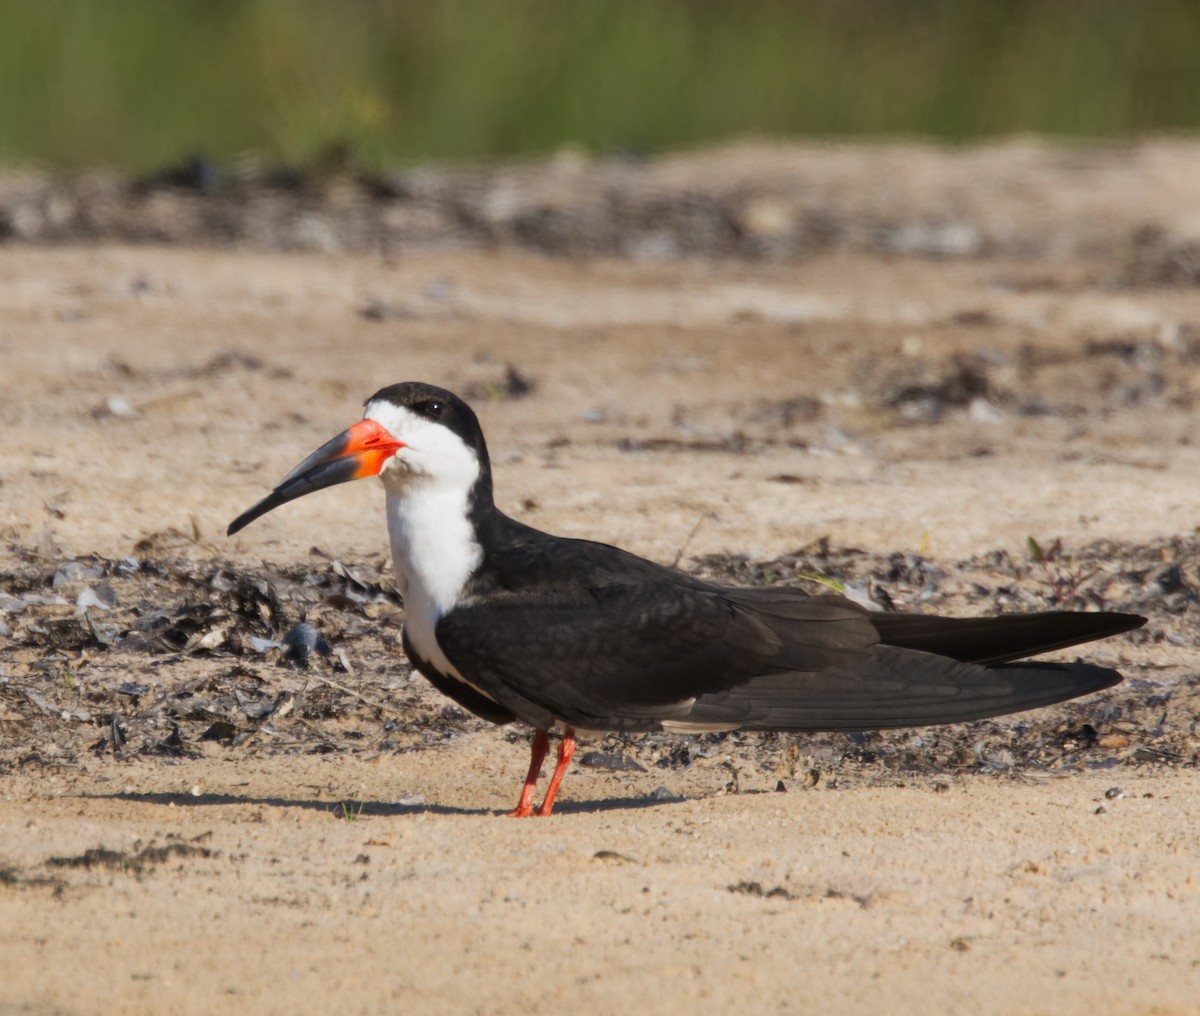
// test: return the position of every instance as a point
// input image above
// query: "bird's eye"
(433, 409)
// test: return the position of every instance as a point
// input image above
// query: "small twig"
(350, 691)
(684, 546)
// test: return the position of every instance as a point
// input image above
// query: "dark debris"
(1143, 720)
(137, 861)
(260, 647)
(569, 206)
(756, 889)
(65, 692)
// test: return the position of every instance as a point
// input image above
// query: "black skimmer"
(570, 635)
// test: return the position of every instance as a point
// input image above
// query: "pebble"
(301, 641)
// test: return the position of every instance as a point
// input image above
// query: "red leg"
(565, 751)
(537, 755)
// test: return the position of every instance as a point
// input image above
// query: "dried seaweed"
(191, 654)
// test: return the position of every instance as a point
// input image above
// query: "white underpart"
(434, 550)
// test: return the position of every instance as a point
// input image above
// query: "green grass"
(139, 83)
(348, 811)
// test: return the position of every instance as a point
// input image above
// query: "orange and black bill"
(360, 451)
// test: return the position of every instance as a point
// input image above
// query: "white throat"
(434, 550)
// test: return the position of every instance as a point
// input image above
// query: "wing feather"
(587, 634)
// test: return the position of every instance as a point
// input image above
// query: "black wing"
(452, 688)
(587, 633)
(891, 687)
(601, 639)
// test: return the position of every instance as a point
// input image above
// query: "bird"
(581, 638)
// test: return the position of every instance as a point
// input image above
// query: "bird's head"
(411, 434)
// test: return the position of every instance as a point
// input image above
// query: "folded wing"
(637, 647)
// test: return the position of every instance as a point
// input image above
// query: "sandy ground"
(680, 408)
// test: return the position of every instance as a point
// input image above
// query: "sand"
(680, 408)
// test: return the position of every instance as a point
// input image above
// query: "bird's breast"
(434, 554)
(420, 626)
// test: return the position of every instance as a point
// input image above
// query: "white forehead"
(392, 418)
(429, 447)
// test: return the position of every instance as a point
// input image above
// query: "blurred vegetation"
(140, 83)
